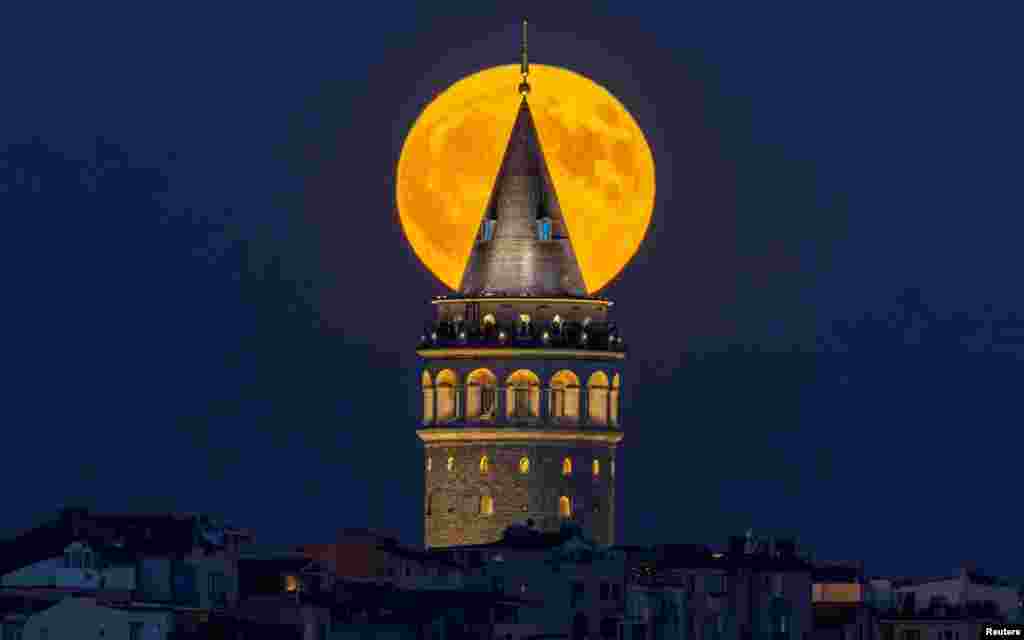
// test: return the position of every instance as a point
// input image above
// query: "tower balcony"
(593, 336)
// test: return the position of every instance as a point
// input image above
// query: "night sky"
(210, 305)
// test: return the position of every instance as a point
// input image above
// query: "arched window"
(564, 507)
(613, 410)
(481, 394)
(595, 467)
(486, 506)
(565, 396)
(447, 395)
(524, 465)
(451, 463)
(523, 395)
(489, 320)
(485, 465)
(612, 467)
(430, 503)
(430, 464)
(597, 398)
(428, 398)
(567, 467)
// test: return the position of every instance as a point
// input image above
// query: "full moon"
(600, 164)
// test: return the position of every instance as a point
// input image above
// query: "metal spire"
(524, 67)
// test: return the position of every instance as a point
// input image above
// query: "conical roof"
(516, 256)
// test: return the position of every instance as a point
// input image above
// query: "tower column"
(500, 409)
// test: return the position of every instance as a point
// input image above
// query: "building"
(185, 564)
(843, 602)
(580, 586)
(360, 554)
(85, 617)
(303, 598)
(750, 591)
(522, 376)
(954, 607)
(966, 588)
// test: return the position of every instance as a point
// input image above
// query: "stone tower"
(521, 373)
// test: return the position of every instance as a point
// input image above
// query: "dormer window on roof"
(544, 229)
(487, 230)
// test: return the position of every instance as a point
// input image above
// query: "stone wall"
(453, 498)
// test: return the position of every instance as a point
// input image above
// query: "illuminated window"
(566, 466)
(597, 388)
(430, 464)
(451, 463)
(481, 387)
(489, 320)
(612, 463)
(523, 394)
(291, 583)
(564, 507)
(524, 465)
(486, 505)
(524, 318)
(484, 465)
(565, 395)
(428, 398)
(557, 321)
(445, 388)
(596, 467)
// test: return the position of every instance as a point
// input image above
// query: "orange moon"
(599, 160)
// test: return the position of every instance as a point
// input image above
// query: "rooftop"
(523, 246)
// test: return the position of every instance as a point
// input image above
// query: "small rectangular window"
(487, 230)
(135, 630)
(544, 229)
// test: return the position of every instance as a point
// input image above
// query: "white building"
(965, 589)
(82, 617)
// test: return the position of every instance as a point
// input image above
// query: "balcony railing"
(595, 336)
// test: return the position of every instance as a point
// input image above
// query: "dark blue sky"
(210, 304)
